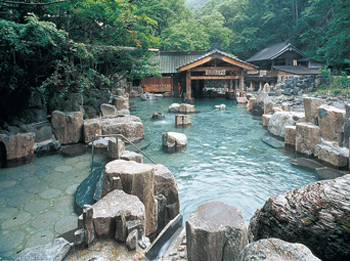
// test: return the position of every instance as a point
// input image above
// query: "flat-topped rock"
(273, 249)
(111, 206)
(182, 120)
(137, 179)
(174, 107)
(128, 125)
(108, 110)
(174, 142)
(316, 215)
(186, 108)
(132, 156)
(311, 109)
(215, 231)
(331, 153)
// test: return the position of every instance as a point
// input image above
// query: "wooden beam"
(237, 63)
(207, 77)
(188, 85)
(195, 64)
(203, 69)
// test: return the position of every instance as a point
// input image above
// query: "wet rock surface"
(215, 231)
(280, 120)
(316, 215)
(55, 251)
(273, 249)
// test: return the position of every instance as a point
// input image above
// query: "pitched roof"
(169, 61)
(299, 70)
(217, 51)
(273, 51)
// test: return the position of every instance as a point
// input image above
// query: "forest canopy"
(60, 47)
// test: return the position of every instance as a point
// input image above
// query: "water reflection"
(225, 159)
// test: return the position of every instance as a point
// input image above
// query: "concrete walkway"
(37, 201)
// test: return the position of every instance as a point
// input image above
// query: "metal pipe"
(116, 135)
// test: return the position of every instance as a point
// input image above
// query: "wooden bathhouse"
(279, 61)
(196, 73)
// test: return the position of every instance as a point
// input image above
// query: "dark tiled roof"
(299, 70)
(219, 52)
(273, 51)
(169, 61)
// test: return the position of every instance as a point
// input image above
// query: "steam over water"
(225, 159)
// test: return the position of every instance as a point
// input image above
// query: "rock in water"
(316, 215)
(273, 249)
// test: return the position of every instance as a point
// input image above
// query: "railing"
(115, 135)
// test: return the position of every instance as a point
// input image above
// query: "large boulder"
(290, 135)
(19, 148)
(174, 142)
(165, 184)
(107, 210)
(331, 121)
(316, 215)
(311, 109)
(67, 126)
(259, 104)
(129, 126)
(57, 250)
(137, 179)
(186, 108)
(280, 120)
(307, 137)
(331, 153)
(42, 130)
(273, 249)
(174, 107)
(215, 231)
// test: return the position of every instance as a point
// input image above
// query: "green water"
(225, 159)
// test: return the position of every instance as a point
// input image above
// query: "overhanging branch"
(24, 3)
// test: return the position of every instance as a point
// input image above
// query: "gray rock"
(131, 240)
(290, 135)
(54, 251)
(329, 173)
(132, 156)
(215, 231)
(174, 107)
(115, 148)
(186, 108)
(46, 148)
(129, 126)
(182, 121)
(331, 121)
(331, 153)
(311, 109)
(273, 249)
(346, 125)
(108, 110)
(67, 126)
(307, 137)
(174, 142)
(137, 179)
(316, 215)
(280, 120)
(42, 130)
(158, 115)
(106, 211)
(148, 96)
(121, 103)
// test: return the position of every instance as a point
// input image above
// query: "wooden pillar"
(241, 82)
(188, 84)
(260, 85)
(251, 85)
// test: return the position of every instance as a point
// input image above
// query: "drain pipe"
(115, 135)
